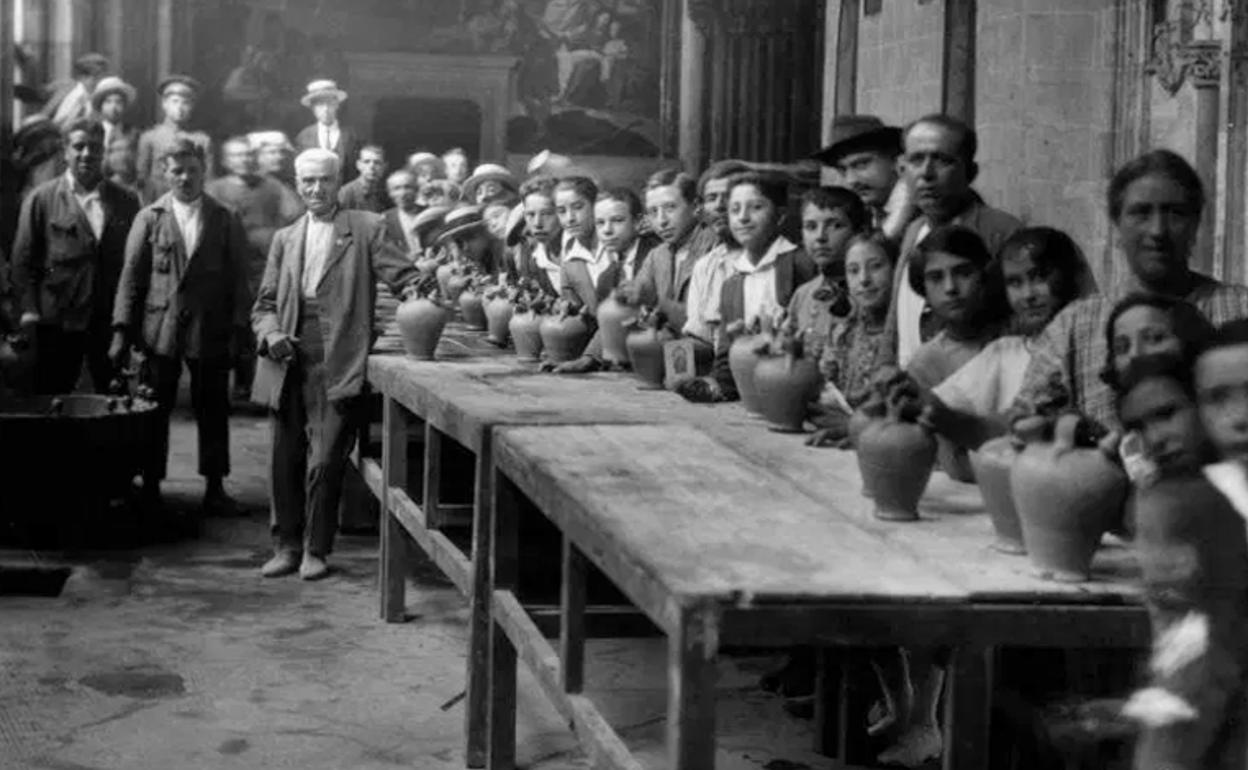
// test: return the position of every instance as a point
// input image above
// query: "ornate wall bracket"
(1173, 62)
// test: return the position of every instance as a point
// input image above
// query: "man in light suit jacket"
(182, 298)
(313, 321)
(324, 98)
(67, 258)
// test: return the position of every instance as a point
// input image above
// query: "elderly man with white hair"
(313, 321)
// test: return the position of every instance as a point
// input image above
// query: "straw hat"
(112, 85)
(515, 225)
(548, 162)
(462, 219)
(429, 220)
(319, 90)
(488, 172)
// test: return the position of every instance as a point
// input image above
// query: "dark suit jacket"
(60, 271)
(578, 288)
(346, 294)
(793, 268)
(178, 304)
(348, 148)
(658, 284)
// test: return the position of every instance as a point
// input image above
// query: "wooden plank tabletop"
(709, 521)
(702, 520)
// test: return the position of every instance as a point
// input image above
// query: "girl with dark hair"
(1042, 271)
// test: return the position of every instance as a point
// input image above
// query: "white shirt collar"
(76, 189)
(185, 209)
(780, 245)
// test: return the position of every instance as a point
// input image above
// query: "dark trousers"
(59, 355)
(312, 441)
(210, 402)
(245, 364)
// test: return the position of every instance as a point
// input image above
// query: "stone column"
(1236, 162)
(958, 77)
(164, 38)
(61, 52)
(1205, 69)
(691, 111)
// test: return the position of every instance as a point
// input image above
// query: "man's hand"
(117, 349)
(282, 349)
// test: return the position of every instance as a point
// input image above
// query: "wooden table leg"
(827, 701)
(691, 662)
(858, 688)
(968, 709)
(572, 618)
(476, 704)
(393, 551)
(503, 558)
(432, 506)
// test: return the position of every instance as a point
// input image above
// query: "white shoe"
(282, 563)
(313, 567)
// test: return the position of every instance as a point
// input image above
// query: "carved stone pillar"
(692, 111)
(1233, 236)
(1204, 67)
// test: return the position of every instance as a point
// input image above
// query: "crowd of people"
(136, 250)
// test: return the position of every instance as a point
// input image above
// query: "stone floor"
(178, 655)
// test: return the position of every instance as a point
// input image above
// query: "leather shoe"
(313, 567)
(282, 563)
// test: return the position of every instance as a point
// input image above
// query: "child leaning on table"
(1042, 271)
(1193, 553)
(831, 217)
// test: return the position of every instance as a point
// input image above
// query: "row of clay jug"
(774, 377)
(1052, 500)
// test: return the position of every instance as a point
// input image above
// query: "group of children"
(707, 252)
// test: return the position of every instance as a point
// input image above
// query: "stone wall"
(899, 59)
(1044, 94)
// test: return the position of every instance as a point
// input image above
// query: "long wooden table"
(719, 530)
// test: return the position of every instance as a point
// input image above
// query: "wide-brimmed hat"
(461, 219)
(185, 84)
(429, 220)
(319, 90)
(858, 132)
(488, 172)
(515, 225)
(112, 85)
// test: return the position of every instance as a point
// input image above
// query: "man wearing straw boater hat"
(325, 98)
(489, 180)
(177, 101)
(865, 152)
(110, 100)
(313, 321)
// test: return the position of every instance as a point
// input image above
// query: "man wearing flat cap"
(67, 258)
(71, 100)
(313, 321)
(182, 297)
(325, 98)
(177, 101)
(865, 154)
(110, 100)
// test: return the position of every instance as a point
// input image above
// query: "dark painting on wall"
(589, 70)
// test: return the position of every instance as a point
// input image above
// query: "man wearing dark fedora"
(325, 99)
(177, 101)
(865, 152)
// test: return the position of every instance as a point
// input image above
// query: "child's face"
(671, 216)
(1222, 396)
(1141, 331)
(1032, 290)
(752, 218)
(496, 220)
(1167, 421)
(955, 287)
(825, 233)
(540, 219)
(615, 224)
(112, 107)
(177, 107)
(869, 277)
(576, 214)
(456, 167)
